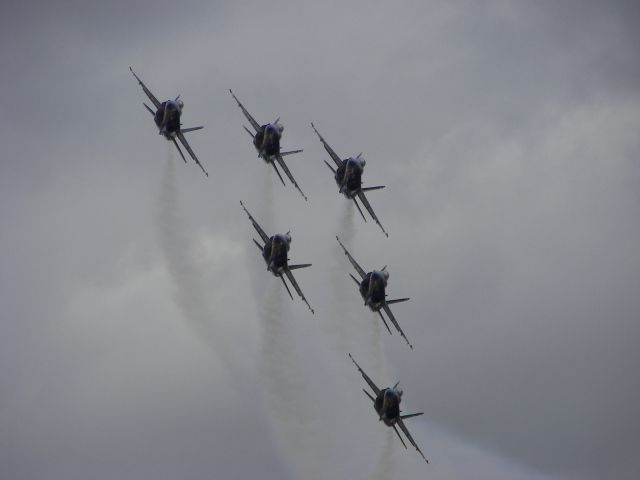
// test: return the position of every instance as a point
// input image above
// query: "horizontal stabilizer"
(356, 202)
(149, 108)
(385, 323)
(257, 244)
(368, 189)
(330, 167)
(278, 172)
(303, 265)
(369, 395)
(248, 131)
(397, 300)
(290, 152)
(179, 151)
(286, 286)
(190, 129)
(411, 415)
(355, 280)
(398, 433)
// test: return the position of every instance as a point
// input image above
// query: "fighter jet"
(386, 403)
(275, 253)
(372, 289)
(267, 143)
(167, 119)
(348, 175)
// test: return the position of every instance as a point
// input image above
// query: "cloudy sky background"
(141, 336)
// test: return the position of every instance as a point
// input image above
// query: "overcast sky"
(141, 336)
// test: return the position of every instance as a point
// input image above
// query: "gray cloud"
(506, 134)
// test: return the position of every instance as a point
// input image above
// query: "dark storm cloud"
(506, 134)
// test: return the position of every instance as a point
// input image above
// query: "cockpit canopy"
(283, 238)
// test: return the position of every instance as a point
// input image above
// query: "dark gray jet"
(267, 143)
(167, 119)
(348, 175)
(275, 252)
(372, 289)
(386, 403)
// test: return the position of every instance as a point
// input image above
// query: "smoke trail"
(347, 225)
(194, 296)
(385, 467)
(286, 390)
(283, 380)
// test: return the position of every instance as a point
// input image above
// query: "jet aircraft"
(386, 403)
(275, 253)
(372, 289)
(348, 176)
(267, 143)
(167, 119)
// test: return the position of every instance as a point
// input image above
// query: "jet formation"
(275, 248)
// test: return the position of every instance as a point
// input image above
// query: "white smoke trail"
(385, 466)
(284, 380)
(195, 297)
(307, 404)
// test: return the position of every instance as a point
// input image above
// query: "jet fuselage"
(372, 289)
(267, 141)
(167, 118)
(387, 405)
(275, 253)
(349, 176)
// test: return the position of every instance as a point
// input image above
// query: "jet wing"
(329, 150)
(264, 236)
(146, 90)
(288, 173)
(252, 121)
(373, 386)
(395, 324)
(404, 429)
(184, 142)
(366, 204)
(352, 260)
(297, 288)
